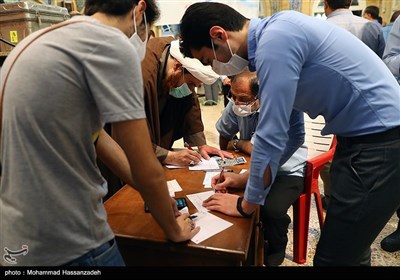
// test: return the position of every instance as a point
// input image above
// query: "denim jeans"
(104, 255)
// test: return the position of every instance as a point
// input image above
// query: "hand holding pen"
(226, 180)
(219, 180)
(193, 157)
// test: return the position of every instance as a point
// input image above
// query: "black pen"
(192, 217)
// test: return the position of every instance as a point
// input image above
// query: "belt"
(388, 135)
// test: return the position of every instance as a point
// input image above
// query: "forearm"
(147, 173)
(223, 143)
(244, 146)
(112, 155)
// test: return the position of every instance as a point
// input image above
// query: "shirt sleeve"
(296, 135)
(280, 65)
(227, 125)
(117, 97)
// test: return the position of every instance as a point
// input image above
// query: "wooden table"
(143, 243)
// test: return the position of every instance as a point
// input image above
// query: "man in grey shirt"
(58, 94)
(338, 13)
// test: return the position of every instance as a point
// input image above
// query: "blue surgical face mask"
(135, 40)
(234, 66)
(181, 91)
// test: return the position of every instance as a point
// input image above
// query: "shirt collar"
(340, 12)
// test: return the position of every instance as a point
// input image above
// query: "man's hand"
(206, 150)
(188, 228)
(183, 157)
(229, 180)
(223, 202)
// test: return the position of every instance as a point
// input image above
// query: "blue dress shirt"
(313, 66)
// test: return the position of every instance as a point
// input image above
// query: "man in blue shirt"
(241, 115)
(313, 66)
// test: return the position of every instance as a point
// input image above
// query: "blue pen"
(192, 217)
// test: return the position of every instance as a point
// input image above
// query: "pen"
(190, 218)
(188, 146)
(219, 178)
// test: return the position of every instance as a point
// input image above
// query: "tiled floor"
(210, 115)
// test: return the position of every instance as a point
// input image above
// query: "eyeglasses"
(250, 102)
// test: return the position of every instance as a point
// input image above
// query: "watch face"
(235, 142)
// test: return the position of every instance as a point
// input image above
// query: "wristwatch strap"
(240, 209)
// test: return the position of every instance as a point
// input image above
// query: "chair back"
(321, 150)
(316, 143)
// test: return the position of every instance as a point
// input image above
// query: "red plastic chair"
(301, 208)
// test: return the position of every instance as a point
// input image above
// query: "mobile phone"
(180, 203)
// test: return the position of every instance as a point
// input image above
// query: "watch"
(235, 143)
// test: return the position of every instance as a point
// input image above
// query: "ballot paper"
(209, 225)
(208, 178)
(198, 198)
(173, 186)
(205, 164)
(170, 166)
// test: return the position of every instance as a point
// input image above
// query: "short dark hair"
(395, 15)
(121, 7)
(373, 11)
(338, 4)
(200, 17)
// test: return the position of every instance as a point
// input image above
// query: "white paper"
(184, 210)
(173, 186)
(208, 178)
(198, 198)
(209, 225)
(205, 164)
(170, 166)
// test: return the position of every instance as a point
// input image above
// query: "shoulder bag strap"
(40, 33)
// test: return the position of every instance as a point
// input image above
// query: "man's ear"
(141, 6)
(177, 64)
(218, 33)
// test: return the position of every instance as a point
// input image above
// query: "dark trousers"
(284, 192)
(365, 193)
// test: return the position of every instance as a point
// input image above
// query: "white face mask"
(242, 110)
(234, 66)
(135, 40)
